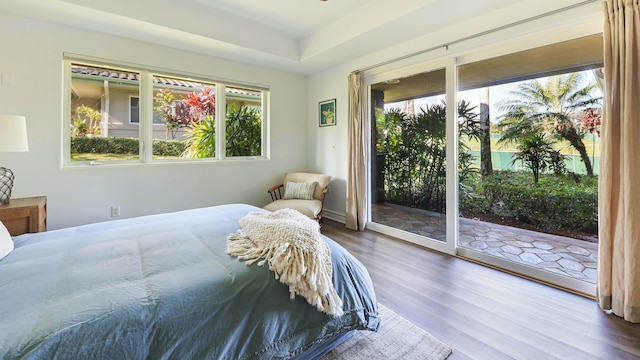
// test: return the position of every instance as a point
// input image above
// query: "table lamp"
(13, 138)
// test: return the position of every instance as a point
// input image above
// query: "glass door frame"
(449, 246)
(450, 64)
(536, 274)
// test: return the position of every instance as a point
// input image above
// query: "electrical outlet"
(6, 78)
(115, 211)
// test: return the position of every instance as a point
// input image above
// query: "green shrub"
(169, 148)
(557, 201)
(201, 142)
(103, 145)
(113, 145)
(244, 131)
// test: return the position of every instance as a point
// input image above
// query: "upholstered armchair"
(304, 192)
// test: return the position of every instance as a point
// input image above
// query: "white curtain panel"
(618, 287)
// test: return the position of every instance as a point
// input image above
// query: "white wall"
(329, 144)
(32, 74)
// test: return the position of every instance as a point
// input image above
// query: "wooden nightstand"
(25, 215)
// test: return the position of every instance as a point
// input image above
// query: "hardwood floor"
(484, 313)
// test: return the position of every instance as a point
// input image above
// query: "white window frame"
(146, 112)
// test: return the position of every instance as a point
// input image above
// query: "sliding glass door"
(409, 165)
(510, 177)
(528, 194)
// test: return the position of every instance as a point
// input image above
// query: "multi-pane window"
(244, 122)
(99, 113)
(113, 112)
(187, 109)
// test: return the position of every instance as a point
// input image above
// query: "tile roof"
(165, 81)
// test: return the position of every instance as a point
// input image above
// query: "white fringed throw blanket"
(290, 243)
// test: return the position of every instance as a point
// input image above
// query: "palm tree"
(536, 152)
(486, 165)
(554, 107)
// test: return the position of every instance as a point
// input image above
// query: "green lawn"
(111, 157)
(102, 157)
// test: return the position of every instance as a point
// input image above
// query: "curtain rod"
(483, 33)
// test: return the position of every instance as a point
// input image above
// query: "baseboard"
(335, 216)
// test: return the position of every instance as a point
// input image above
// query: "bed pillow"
(6, 242)
(303, 191)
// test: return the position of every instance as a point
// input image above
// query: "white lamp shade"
(13, 133)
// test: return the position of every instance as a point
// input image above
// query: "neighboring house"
(116, 96)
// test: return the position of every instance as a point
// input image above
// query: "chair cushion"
(301, 177)
(302, 191)
(310, 208)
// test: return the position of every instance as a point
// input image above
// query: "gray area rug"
(397, 338)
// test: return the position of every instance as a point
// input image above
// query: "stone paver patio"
(562, 255)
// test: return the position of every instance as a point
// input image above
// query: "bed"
(163, 287)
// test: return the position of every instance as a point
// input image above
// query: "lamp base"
(6, 184)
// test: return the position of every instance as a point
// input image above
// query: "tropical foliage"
(414, 153)
(201, 142)
(537, 115)
(537, 153)
(181, 114)
(243, 130)
(163, 101)
(554, 107)
(86, 121)
(196, 114)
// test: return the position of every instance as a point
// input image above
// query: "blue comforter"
(163, 287)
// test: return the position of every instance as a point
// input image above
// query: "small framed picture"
(327, 112)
